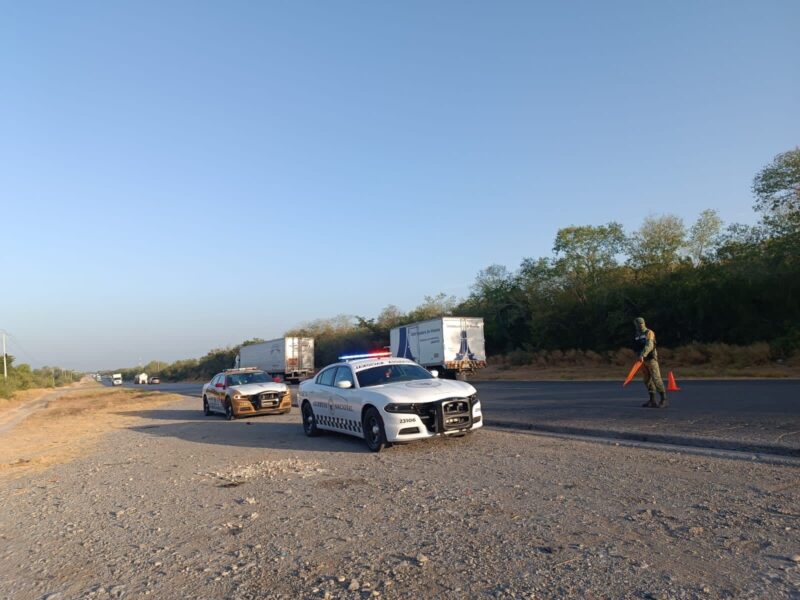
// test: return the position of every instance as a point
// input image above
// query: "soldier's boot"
(652, 402)
(664, 403)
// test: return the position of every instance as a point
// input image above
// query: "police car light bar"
(381, 354)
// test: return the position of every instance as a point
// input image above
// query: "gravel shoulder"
(173, 504)
(56, 427)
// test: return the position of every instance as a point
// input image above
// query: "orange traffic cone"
(634, 368)
(671, 385)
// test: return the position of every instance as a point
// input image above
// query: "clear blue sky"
(178, 176)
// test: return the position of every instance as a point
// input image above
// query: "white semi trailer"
(288, 358)
(454, 346)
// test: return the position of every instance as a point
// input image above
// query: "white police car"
(384, 400)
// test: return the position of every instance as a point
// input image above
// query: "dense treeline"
(23, 377)
(191, 369)
(708, 284)
(738, 285)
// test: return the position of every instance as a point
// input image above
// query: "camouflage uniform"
(646, 346)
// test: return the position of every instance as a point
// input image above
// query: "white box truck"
(454, 346)
(288, 358)
(140, 379)
(116, 379)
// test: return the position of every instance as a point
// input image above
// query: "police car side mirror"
(435, 373)
(344, 384)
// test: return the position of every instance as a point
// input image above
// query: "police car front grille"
(456, 414)
(445, 415)
(265, 400)
(427, 414)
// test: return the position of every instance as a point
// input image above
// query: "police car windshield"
(245, 378)
(391, 374)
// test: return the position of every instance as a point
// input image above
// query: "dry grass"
(617, 373)
(22, 397)
(693, 361)
(71, 426)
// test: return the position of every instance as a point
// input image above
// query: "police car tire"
(376, 441)
(309, 424)
(228, 409)
(206, 409)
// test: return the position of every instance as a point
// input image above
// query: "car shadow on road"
(254, 432)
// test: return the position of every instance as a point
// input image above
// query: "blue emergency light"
(381, 354)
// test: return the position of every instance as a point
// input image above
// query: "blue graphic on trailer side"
(464, 351)
(404, 348)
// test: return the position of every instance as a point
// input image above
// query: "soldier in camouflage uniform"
(648, 355)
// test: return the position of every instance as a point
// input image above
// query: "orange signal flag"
(671, 385)
(634, 369)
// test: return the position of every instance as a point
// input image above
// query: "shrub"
(690, 355)
(519, 358)
(624, 357)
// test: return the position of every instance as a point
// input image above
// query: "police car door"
(346, 405)
(213, 395)
(321, 399)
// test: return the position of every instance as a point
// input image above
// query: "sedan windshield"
(245, 378)
(391, 374)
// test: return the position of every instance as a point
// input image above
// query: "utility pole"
(5, 365)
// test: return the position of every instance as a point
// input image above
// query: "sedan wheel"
(206, 409)
(374, 433)
(309, 421)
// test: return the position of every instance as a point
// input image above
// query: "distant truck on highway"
(454, 346)
(287, 359)
(140, 379)
(116, 379)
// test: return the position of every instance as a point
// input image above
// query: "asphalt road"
(752, 415)
(758, 416)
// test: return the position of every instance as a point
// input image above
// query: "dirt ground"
(172, 504)
(65, 423)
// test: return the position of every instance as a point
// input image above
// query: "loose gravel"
(183, 506)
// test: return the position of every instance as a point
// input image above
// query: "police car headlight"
(400, 408)
(239, 397)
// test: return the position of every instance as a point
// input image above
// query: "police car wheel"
(206, 409)
(228, 410)
(374, 433)
(309, 421)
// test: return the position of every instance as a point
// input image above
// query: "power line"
(19, 345)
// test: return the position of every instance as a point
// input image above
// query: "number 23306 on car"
(386, 400)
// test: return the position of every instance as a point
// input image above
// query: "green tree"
(585, 253)
(657, 243)
(390, 317)
(704, 236)
(434, 306)
(588, 250)
(777, 186)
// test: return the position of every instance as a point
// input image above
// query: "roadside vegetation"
(723, 300)
(23, 377)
